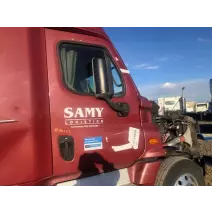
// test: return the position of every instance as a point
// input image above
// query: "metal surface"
(7, 121)
(29, 61)
(25, 147)
(186, 180)
(115, 128)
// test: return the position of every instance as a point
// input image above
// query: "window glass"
(117, 82)
(77, 67)
(77, 71)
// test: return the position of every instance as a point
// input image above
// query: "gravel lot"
(208, 176)
(206, 150)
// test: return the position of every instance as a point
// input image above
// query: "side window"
(76, 63)
(117, 82)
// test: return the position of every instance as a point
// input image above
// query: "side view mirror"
(103, 81)
(102, 78)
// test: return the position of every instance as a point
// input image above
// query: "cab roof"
(93, 31)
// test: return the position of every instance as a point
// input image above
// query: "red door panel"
(86, 118)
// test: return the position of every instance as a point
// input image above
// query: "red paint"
(144, 173)
(25, 146)
(151, 131)
(33, 94)
(115, 128)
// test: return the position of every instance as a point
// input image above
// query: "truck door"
(87, 135)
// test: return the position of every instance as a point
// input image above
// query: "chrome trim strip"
(7, 121)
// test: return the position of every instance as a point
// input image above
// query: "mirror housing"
(103, 81)
(102, 78)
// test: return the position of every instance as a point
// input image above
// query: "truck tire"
(179, 171)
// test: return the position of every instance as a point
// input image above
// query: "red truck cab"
(71, 113)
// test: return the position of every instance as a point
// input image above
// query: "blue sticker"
(93, 143)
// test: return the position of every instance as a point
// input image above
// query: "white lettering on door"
(79, 113)
(68, 112)
(89, 112)
(99, 112)
(83, 117)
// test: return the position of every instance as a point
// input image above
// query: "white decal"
(125, 71)
(83, 117)
(122, 147)
(133, 137)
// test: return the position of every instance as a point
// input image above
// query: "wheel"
(179, 171)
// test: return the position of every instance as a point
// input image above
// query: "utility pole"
(182, 102)
(210, 84)
(183, 88)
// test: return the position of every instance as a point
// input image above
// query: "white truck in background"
(175, 104)
(191, 107)
(205, 106)
(202, 107)
(171, 104)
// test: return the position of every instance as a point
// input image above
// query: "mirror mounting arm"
(122, 108)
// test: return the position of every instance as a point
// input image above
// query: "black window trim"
(106, 53)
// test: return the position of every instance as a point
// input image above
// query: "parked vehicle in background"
(202, 107)
(190, 107)
(171, 104)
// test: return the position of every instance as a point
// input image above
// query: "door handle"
(66, 147)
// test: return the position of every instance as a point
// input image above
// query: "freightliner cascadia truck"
(71, 115)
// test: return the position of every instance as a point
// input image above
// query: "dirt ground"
(208, 176)
(206, 150)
